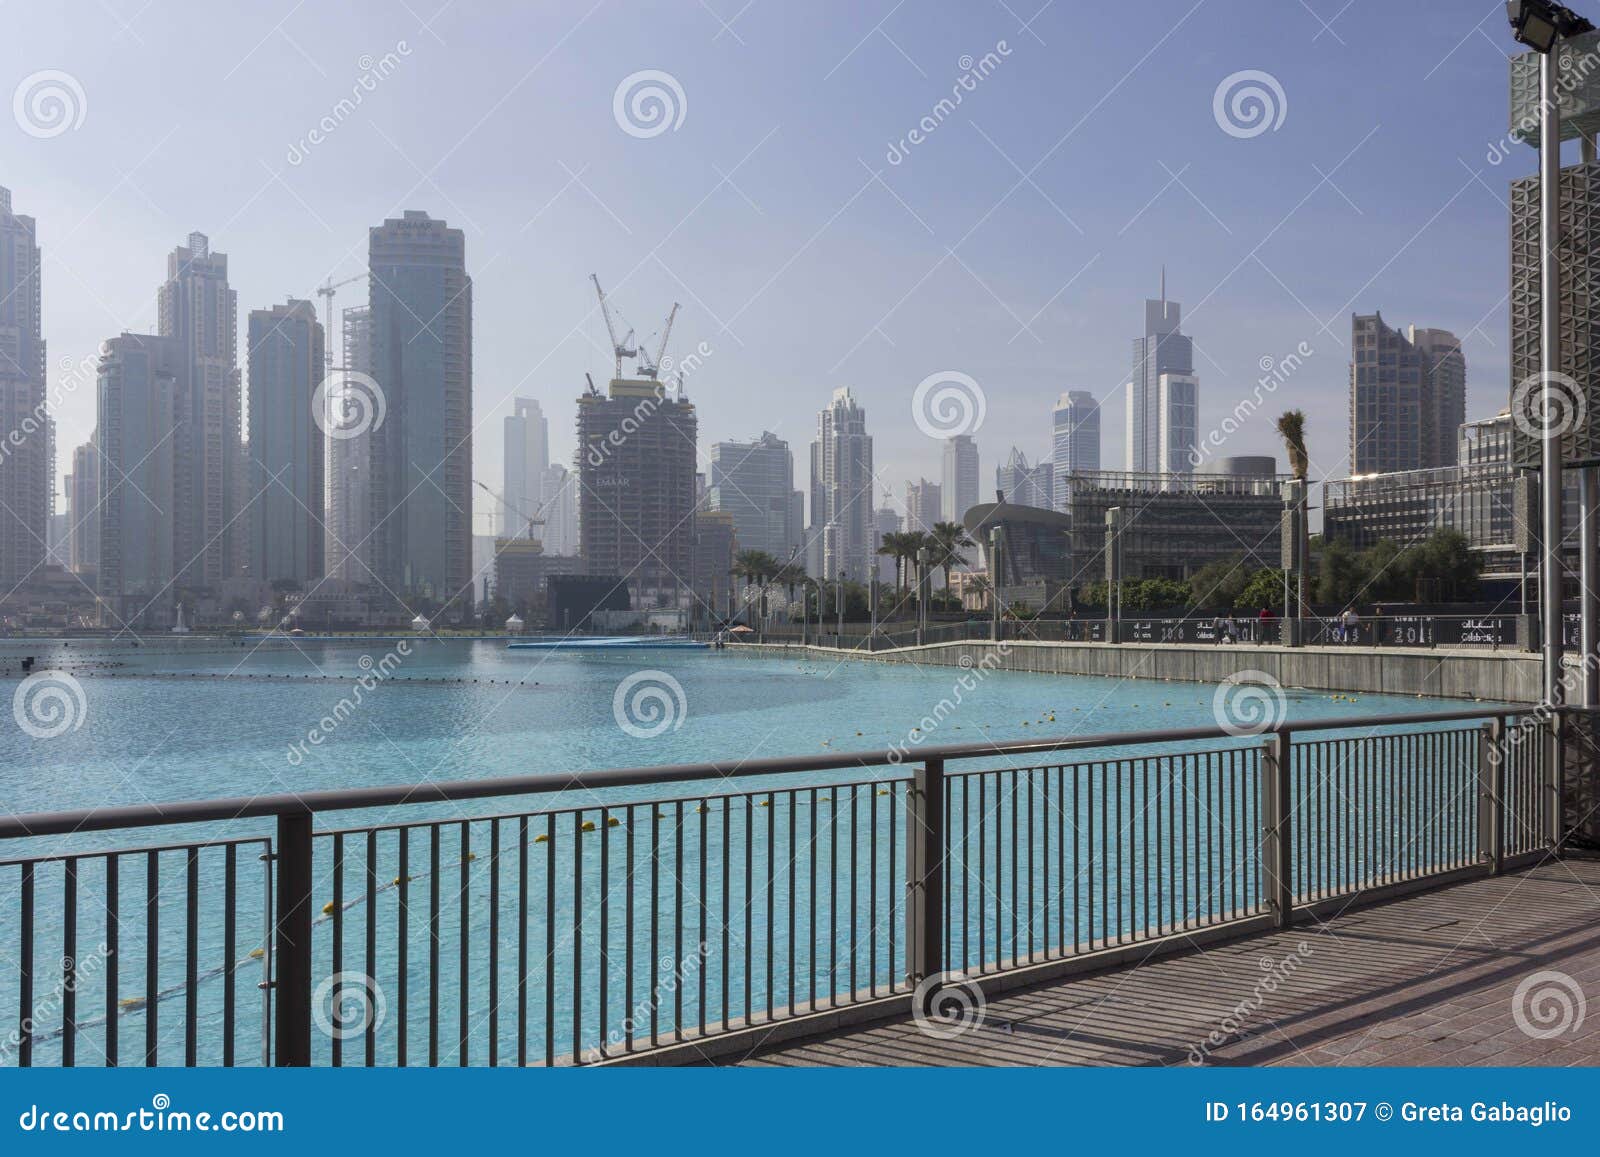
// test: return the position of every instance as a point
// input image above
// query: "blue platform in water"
(597, 642)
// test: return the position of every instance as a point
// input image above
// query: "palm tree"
(946, 542)
(757, 567)
(1292, 429)
(895, 545)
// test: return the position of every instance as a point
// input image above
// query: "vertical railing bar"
(372, 940)
(1016, 863)
(833, 904)
(655, 924)
(25, 972)
(772, 881)
(677, 919)
(494, 942)
(893, 809)
(1141, 917)
(1044, 829)
(749, 905)
(522, 941)
(628, 918)
(191, 952)
(113, 959)
(727, 906)
(577, 935)
(69, 960)
(966, 874)
(794, 806)
(855, 844)
(464, 953)
(811, 911)
(402, 943)
(434, 838)
(702, 946)
(605, 928)
(550, 940)
(983, 870)
(152, 955)
(337, 1051)
(872, 891)
(230, 884)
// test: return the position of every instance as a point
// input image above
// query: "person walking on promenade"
(1350, 625)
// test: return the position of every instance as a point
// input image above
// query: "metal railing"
(634, 913)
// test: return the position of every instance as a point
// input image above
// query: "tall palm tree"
(1292, 429)
(946, 542)
(756, 567)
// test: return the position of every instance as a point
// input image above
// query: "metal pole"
(292, 941)
(841, 607)
(1549, 365)
(1589, 548)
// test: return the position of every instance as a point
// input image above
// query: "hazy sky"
(1014, 244)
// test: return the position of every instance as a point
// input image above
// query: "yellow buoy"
(327, 909)
(541, 838)
(612, 821)
(588, 825)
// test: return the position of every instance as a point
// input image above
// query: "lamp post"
(996, 575)
(1541, 25)
(841, 607)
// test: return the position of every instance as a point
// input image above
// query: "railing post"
(1277, 848)
(1555, 782)
(925, 849)
(292, 941)
(1491, 793)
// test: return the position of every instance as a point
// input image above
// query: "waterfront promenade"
(1431, 979)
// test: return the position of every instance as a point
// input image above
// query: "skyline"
(767, 222)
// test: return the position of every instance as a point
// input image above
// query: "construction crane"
(326, 291)
(530, 523)
(651, 367)
(621, 349)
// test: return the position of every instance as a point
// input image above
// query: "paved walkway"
(1426, 980)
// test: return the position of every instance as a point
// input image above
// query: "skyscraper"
(841, 490)
(199, 311)
(287, 444)
(83, 497)
(959, 481)
(527, 455)
(560, 530)
(1024, 484)
(1163, 349)
(754, 481)
(1075, 446)
(887, 520)
(348, 547)
(636, 498)
(26, 477)
(1408, 396)
(924, 505)
(139, 388)
(1179, 401)
(421, 467)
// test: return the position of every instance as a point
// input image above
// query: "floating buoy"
(327, 909)
(588, 825)
(470, 857)
(398, 880)
(764, 803)
(541, 838)
(257, 953)
(612, 821)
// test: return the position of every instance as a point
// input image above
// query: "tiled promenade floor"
(1425, 980)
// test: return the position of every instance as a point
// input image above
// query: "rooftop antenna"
(1163, 289)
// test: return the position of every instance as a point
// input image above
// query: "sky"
(781, 199)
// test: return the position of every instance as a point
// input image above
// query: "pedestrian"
(1350, 625)
(1219, 631)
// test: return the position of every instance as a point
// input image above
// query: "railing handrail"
(349, 799)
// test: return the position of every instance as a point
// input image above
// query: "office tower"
(1075, 445)
(199, 311)
(83, 498)
(27, 481)
(421, 459)
(841, 490)
(636, 465)
(348, 545)
(959, 483)
(1179, 401)
(1485, 441)
(754, 481)
(887, 520)
(924, 505)
(716, 539)
(1443, 400)
(1408, 396)
(140, 383)
(1163, 349)
(527, 456)
(560, 529)
(1026, 485)
(287, 444)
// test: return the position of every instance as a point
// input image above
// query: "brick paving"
(1426, 980)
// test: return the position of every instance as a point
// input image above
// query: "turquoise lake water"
(192, 719)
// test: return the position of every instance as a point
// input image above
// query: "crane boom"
(619, 349)
(530, 523)
(666, 332)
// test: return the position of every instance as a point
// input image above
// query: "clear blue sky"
(761, 212)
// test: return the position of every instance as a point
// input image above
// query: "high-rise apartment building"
(560, 530)
(1179, 401)
(924, 505)
(140, 385)
(887, 520)
(27, 480)
(1024, 484)
(1408, 397)
(287, 445)
(636, 498)
(754, 481)
(1163, 349)
(348, 546)
(199, 311)
(83, 500)
(959, 483)
(527, 456)
(841, 490)
(1075, 439)
(421, 461)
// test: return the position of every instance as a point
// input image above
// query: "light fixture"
(1539, 23)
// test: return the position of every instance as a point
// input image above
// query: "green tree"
(1218, 585)
(1339, 574)
(945, 545)
(1265, 589)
